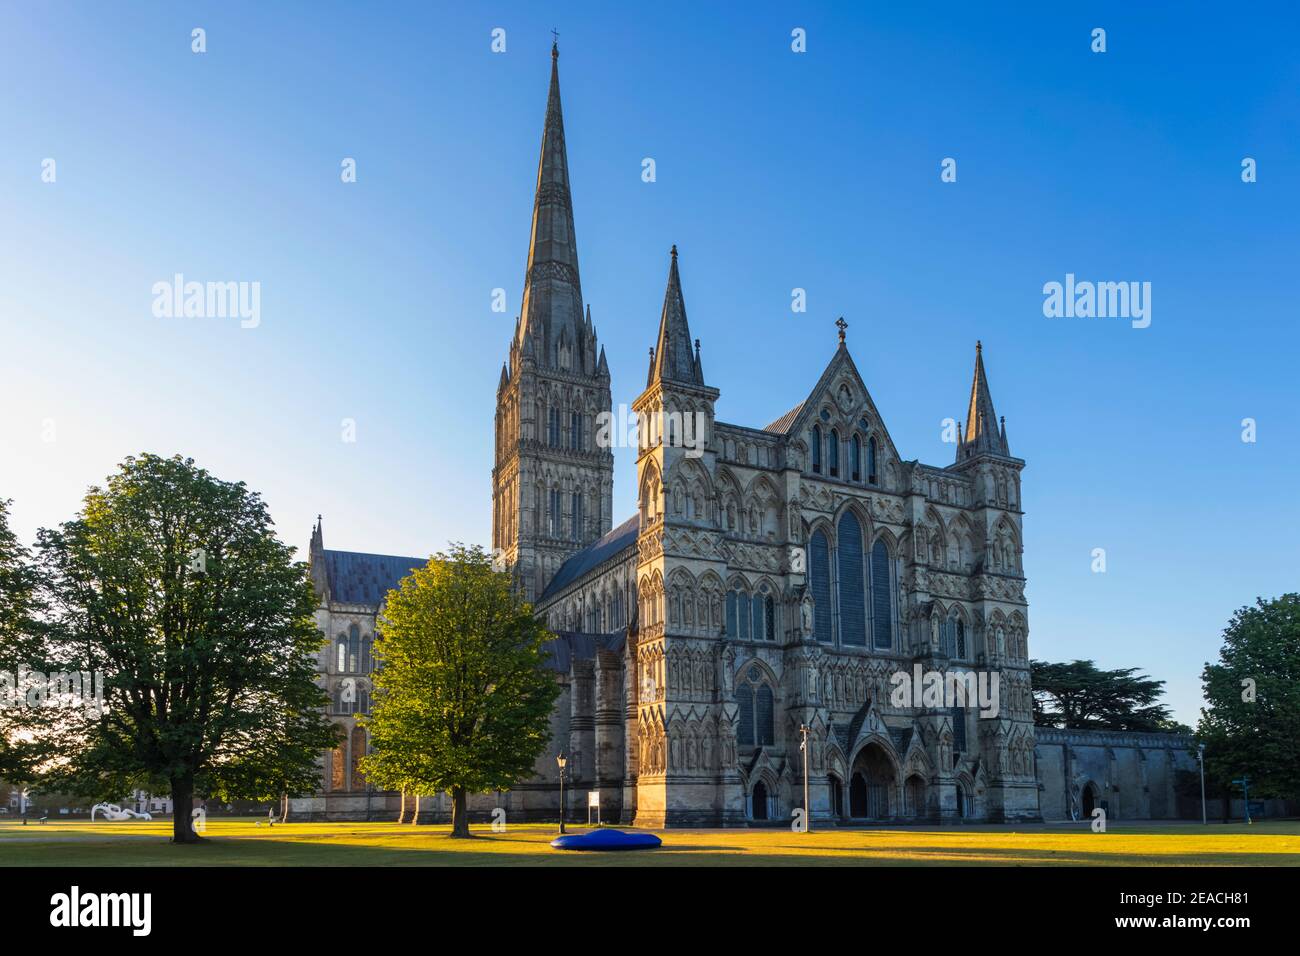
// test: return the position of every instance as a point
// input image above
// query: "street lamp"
(807, 810)
(1200, 757)
(561, 761)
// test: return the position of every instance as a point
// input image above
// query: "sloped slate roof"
(784, 423)
(569, 646)
(841, 732)
(358, 578)
(593, 555)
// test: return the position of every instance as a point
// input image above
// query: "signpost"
(593, 801)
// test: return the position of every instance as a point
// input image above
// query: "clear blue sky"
(775, 170)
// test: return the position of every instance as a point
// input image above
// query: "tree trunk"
(459, 814)
(284, 807)
(182, 804)
(415, 814)
(401, 813)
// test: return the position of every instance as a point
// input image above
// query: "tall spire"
(982, 434)
(551, 311)
(673, 358)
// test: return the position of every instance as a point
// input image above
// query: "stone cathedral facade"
(770, 587)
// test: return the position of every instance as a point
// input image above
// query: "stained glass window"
(819, 566)
(882, 582)
(853, 602)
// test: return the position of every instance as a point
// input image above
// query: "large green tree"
(1250, 723)
(462, 696)
(1079, 696)
(173, 584)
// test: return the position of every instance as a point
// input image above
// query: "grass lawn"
(239, 842)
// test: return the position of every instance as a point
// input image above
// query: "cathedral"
(740, 641)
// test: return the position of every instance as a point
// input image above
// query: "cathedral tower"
(677, 510)
(551, 483)
(985, 459)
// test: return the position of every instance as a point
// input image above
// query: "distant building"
(144, 802)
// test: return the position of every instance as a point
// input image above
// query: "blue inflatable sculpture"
(606, 839)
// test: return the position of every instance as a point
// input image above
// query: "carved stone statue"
(806, 616)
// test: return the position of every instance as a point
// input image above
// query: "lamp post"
(561, 761)
(1200, 757)
(807, 810)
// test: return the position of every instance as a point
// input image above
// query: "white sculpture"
(111, 811)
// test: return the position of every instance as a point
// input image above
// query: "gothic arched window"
(871, 461)
(853, 603)
(553, 430)
(817, 449)
(833, 454)
(819, 571)
(882, 584)
(354, 648)
(769, 617)
(745, 705)
(576, 519)
(555, 517)
(764, 715)
(757, 706)
(575, 431)
(856, 459)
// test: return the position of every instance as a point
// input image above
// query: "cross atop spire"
(555, 44)
(841, 325)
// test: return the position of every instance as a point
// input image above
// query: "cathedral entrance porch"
(873, 785)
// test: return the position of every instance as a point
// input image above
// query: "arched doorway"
(858, 796)
(1088, 801)
(872, 784)
(961, 802)
(837, 794)
(759, 801)
(914, 793)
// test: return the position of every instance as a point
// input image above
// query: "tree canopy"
(173, 585)
(462, 696)
(1080, 696)
(1250, 724)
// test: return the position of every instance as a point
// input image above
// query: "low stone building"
(1132, 776)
